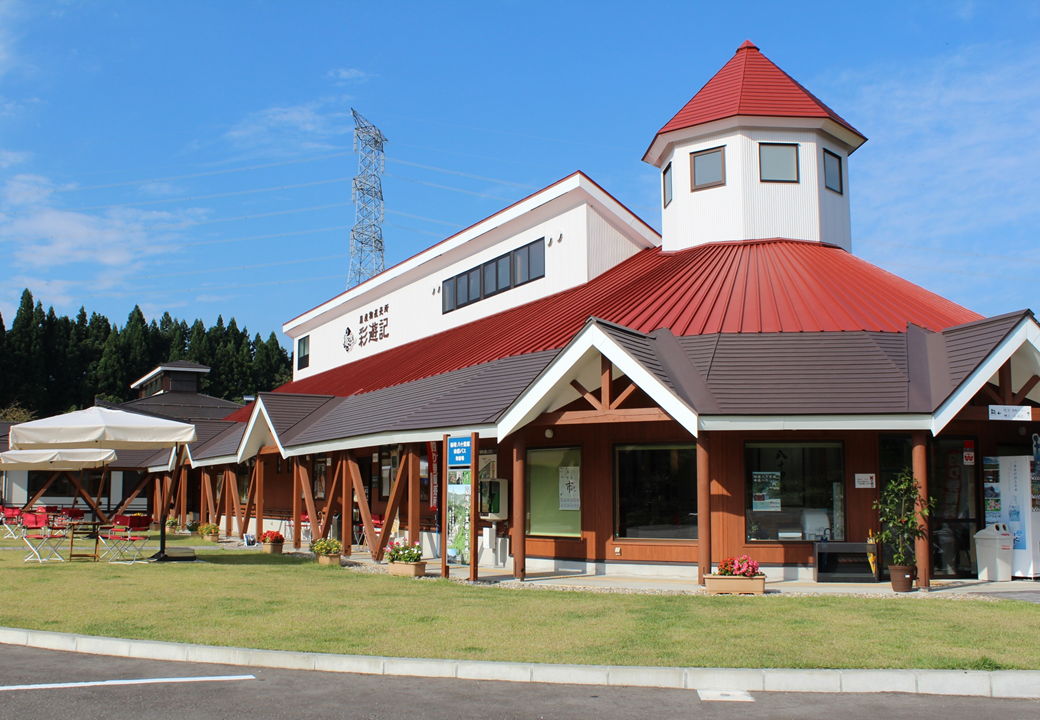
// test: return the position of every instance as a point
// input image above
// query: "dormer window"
(778, 162)
(832, 172)
(666, 179)
(708, 168)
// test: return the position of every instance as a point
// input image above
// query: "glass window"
(303, 352)
(655, 491)
(520, 265)
(243, 475)
(504, 274)
(832, 171)
(554, 492)
(795, 491)
(390, 459)
(708, 169)
(778, 163)
(537, 259)
(956, 518)
(490, 278)
(666, 179)
(474, 284)
(461, 290)
(448, 295)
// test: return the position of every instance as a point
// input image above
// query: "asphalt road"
(283, 694)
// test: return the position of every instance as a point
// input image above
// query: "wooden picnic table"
(84, 530)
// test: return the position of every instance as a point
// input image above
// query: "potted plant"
(192, 526)
(172, 524)
(901, 511)
(405, 560)
(272, 542)
(210, 532)
(327, 551)
(736, 576)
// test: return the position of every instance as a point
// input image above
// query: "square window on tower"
(666, 179)
(778, 162)
(832, 172)
(708, 168)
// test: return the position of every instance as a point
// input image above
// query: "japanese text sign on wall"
(373, 326)
(459, 451)
(1011, 412)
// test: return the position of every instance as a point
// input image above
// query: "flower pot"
(212, 537)
(902, 577)
(406, 569)
(273, 548)
(329, 559)
(734, 585)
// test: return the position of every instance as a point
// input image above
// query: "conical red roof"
(750, 84)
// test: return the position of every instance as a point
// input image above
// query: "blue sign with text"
(459, 451)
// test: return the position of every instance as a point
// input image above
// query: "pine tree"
(5, 373)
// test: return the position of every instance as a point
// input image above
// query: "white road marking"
(725, 696)
(140, 681)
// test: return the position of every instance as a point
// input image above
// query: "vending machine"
(1011, 495)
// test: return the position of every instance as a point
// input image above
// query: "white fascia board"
(815, 422)
(161, 368)
(638, 230)
(168, 467)
(389, 438)
(259, 414)
(219, 460)
(528, 406)
(1026, 331)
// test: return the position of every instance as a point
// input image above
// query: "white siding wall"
(607, 245)
(415, 308)
(748, 209)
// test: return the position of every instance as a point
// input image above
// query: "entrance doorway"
(953, 485)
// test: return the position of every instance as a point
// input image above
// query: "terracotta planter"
(734, 585)
(902, 577)
(329, 559)
(414, 569)
(273, 548)
(212, 537)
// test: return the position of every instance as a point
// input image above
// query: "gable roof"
(751, 84)
(184, 406)
(736, 287)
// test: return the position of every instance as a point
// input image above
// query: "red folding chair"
(42, 537)
(12, 522)
(126, 539)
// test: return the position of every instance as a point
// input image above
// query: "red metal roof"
(750, 84)
(739, 287)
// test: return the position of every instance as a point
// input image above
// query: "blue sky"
(196, 157)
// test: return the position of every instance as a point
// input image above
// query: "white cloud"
(293, 129)
(160, 189)
(11, 157)
(346, 76)
(22, 190)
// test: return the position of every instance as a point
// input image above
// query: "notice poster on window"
(765, 491)
(487, 464)
(991, 489)
(570, 488)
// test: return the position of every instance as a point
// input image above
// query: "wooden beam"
(518, 516)
(413, 494)
(992, 394)
(623, 395)
(1025, 389)
(330, 495)
(221, 499)
(248, 514)
(308, 497)
(211, 497)
(141, 485)
(101, 487)
(474, 505)
(923, 546)
(233, 499)
(396, 494)
(362, 500)
(260, 465)
(46, 486)
(297, 500)
(346, 507)
(703, 506)
(164, 508)
(86, 497)
(606, 380)
(1004, 375)
(586, 417)
(442, 498)
(184, 495)
(592, 399)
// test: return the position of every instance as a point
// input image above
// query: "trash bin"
(993, 549)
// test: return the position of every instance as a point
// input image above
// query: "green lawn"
(247, 599)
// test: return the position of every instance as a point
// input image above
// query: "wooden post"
(519, 516)
(259, 497)
(184, 496)
(221, 499)
(101, 488)
(308, 497)
(392, 508)
(346, 507)
(413, 494)
(923, 547)
(703, 506)
(297, 500)
(444, 507)
(606, 372)
(474, 504)
(362, 500)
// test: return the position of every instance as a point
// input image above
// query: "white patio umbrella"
(59, 461)
(107, 428)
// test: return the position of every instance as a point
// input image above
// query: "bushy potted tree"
(327, 550)
(272, 542)
(210, 532)
(901, 512)
(192, 526)
(405, 559)
(736, 576)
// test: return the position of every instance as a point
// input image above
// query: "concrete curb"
(999, 684)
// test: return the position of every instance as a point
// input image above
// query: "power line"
(950, 252)
(448, 187)
(461, 174)
(219, 287)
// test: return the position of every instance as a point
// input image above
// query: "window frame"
(841, 172)
(450, 287)
(667, 194)
(694, 187)
(448, 296)
(797, 163)
(677, 445)
(303, 360)
(581, 491)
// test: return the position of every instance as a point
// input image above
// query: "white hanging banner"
(570, 488)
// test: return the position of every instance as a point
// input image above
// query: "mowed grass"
(246, 599)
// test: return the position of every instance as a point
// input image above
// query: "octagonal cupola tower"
(754, 156)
